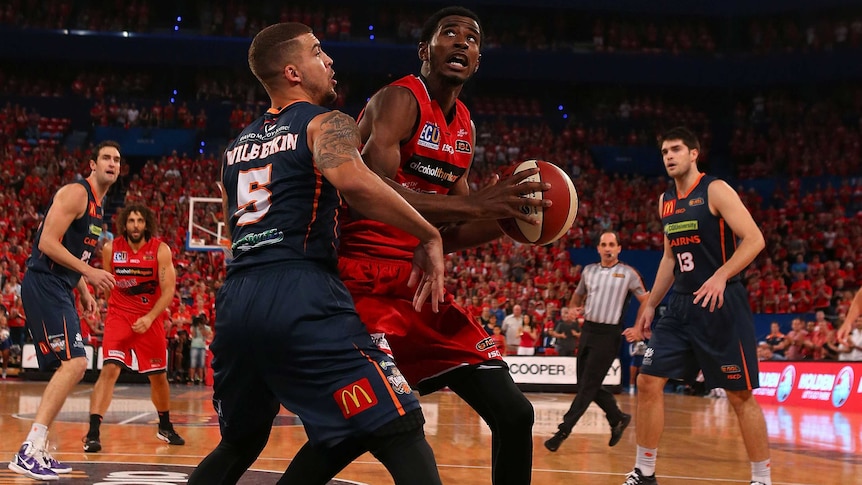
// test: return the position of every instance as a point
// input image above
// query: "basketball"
(554, 221)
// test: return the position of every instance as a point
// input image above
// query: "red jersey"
(435, 157)
(136, 273)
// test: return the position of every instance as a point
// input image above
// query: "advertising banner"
(823, 385)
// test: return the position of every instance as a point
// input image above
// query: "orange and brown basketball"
(554, 221)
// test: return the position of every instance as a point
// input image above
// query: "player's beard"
(135, 239)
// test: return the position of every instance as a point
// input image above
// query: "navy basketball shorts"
(722, 343)
(288, 334)
(52, 319)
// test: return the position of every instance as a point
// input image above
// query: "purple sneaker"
(28, 462)
(54, 465)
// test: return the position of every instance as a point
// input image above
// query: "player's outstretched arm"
(383, 130)
(853, 314)
(334, 141)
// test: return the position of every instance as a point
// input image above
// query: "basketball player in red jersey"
(419, 138)
(146, 280)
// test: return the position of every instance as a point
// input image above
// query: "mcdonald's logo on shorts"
(355, 398)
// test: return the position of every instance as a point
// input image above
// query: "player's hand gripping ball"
(554, 221)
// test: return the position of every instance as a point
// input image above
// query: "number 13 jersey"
(701, 241)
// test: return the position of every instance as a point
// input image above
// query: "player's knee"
(75, 367)
(648, 385)
(110, 372)
(519, 414)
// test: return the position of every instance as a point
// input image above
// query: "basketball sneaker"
(553, 443)
(635, 477)
(617, 429)
(92, 444)
(757, 483)
(170, 436)
(28, 462)
(54, 465)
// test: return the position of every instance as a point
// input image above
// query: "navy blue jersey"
(80, 239)
(701, 241)
(280, 207)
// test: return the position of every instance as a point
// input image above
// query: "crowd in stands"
(510, 27)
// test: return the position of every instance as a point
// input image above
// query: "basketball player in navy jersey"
(59, 263)
(710, 237)
(418, 136)
(286, 331)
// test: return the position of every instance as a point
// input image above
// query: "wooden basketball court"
(701, 443)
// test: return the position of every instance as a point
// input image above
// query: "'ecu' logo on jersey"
(462, 146)
(121, 257)
(429, 136)
(668, 208)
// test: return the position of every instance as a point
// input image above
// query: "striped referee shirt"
(608, 291)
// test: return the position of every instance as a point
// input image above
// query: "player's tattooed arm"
(337, 141)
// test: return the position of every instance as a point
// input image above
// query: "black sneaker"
(617, 429)
(635, 477)
(92, 444)
(170, 437)
(554, 442)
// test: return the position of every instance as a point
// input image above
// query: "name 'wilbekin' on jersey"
(253, 151)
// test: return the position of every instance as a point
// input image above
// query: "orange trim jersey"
(438, 154)
(701, 241)
(136, 272)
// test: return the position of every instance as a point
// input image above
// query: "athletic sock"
(38, 436)
(761, 471)
(165, 420)
(645, 461)
(95, 423)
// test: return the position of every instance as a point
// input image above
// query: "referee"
(606, 287)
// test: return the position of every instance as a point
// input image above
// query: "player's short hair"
(688, 138)
(149, 217)
(433, 22)
(272, 48)
(104, 144)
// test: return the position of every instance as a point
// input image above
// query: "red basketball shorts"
(119, 341)
(424, 344)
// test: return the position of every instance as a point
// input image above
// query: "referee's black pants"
(598, 347)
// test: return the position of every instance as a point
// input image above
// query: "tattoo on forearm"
(162, 274)
(337, 142)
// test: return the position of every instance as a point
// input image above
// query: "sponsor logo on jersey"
(694, 202)
(730, 369)
(92, 209)
(398, 382)
(668, 207)
(255, 240)
(124, 271)
(462, 146)
(254, 151)
(429, 136)
(95, 230)
(433, 171)
(684, 241)
(679, 211)
(683, 226)
(149, 257)
(461, 132)
(355, 397)
(121, 257)
(486, 344)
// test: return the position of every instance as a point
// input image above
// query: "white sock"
(761, 471)
(38, 436)
(645, 461)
